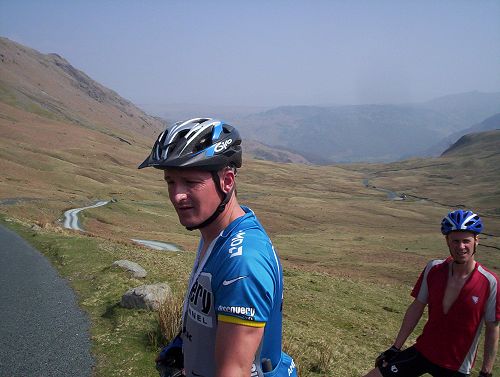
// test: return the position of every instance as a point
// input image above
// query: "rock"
(146, 296)
(136, 270)
(36, 227)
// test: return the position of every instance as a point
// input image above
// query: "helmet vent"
(182, 133)
(203, 144)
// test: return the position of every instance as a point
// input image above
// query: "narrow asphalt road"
(71, 216)
(71, 222)
(42, 332)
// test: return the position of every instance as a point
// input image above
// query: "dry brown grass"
(169, 317)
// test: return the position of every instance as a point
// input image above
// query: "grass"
(332, 325)
(169, 318)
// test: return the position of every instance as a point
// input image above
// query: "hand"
(484, 374)
(171, 355)
(169, 372)
(386, 356)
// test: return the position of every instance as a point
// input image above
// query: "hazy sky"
(269, 52)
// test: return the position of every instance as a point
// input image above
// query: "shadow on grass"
(154, 339)
(110, 314)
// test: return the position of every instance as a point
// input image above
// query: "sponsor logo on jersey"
(253, 371)
(291, 368)
(231, 281)
(201, 297)
(199, 317)
(222, 145)
(394, 369)
(249, 313)
(475, 299)
(236, 248)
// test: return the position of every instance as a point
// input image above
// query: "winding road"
(71, 222)
(43, 331)
(71, 216)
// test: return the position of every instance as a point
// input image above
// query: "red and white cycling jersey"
(450, 340)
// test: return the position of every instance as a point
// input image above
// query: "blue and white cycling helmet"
(202, 143)
(462, 221)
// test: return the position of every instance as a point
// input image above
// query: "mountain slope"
(48, 85)
(476, 144)
(467, 175)
(491, 123)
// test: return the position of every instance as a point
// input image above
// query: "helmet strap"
(475, 245)
(220, 208)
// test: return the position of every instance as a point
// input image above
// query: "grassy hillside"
(49, 86)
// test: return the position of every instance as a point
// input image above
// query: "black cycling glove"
(170, 361)
(386, 356)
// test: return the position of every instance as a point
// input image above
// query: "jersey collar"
(235, 223)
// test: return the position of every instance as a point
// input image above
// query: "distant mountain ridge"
(366, 132)
(466, 108)
(347, 133)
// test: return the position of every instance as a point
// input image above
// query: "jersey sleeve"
(245, 287)
(492, 310)
(421, 289)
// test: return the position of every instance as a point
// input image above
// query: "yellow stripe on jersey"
(239, 321)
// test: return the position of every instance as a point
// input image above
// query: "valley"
(350, 253)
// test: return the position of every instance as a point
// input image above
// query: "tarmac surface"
(43, 332)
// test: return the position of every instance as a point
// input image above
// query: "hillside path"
(43, 331)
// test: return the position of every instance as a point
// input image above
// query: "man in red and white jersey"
(461, 295)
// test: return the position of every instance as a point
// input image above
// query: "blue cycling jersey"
(239, 280)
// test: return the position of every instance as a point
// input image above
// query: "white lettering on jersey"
(291, 368)
(236, 249)
(253, 371)
(200, 318)
(247, 312)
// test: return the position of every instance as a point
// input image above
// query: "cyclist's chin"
(189, 219)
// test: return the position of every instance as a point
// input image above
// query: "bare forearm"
(490, 346)
(235, 349)
(411, 318)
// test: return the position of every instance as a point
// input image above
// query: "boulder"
(36, 227)
(146, 296)
(136, 270)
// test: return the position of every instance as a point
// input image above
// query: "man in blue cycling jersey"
(232, 315)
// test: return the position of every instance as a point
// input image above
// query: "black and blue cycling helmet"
(202, 143)
(462, 221)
